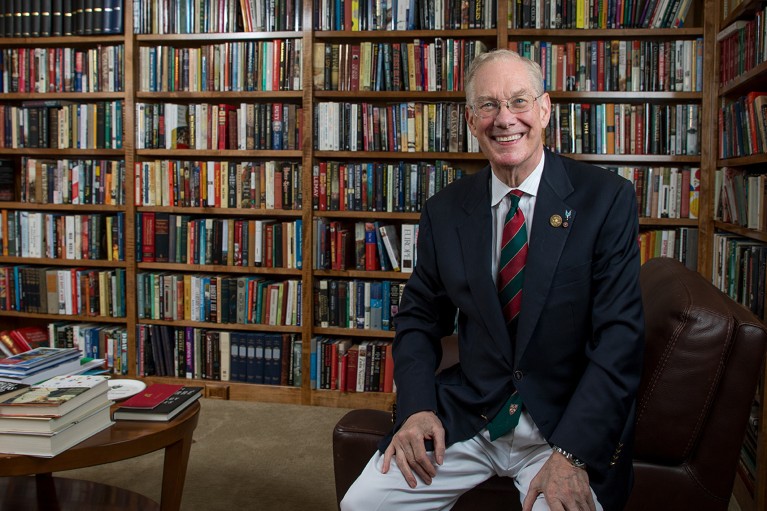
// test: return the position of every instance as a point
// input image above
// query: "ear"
(545, 109)
(471, 119)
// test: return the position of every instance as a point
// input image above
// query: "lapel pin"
(568, 214)
(555, 220)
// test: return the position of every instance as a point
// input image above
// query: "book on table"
(57, 396)
(39, 364)
(62, 434)
(171, 406)
(11, 389)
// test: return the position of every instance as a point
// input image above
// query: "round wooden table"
(123, 440)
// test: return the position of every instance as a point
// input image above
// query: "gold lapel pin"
(555, 220)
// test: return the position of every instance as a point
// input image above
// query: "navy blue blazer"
(576, 360)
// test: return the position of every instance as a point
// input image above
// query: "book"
(38, 358)
(391, 242)
(49, 444)
(57, 396)
(9, 390)
(30, 336)
(166, 410)
(152, 396)
(35, 424)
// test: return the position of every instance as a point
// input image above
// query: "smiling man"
(536, 256)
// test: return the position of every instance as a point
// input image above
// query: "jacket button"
(518, 375)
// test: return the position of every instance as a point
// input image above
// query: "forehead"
(502, 77)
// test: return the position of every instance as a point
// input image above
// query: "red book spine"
(147, 237)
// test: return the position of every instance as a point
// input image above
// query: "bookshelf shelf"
(223, 96)
(361, 274)
(63, 153)
(218, 153)
(378, 155)
(600, 33)
(401, 35)
(744, 83)
(195, 39)
(63, 317)
(636, 158)
(383, 215)
(352, 332)
(255, 327)
(66, 96)
(63, 262)
(81, 208)
(276, 213)
(213, 268)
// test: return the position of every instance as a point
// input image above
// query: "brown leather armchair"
(703, 359)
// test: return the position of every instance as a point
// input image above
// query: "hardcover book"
(57, 396)
(152, 396)
(174, 404)
(70, 433)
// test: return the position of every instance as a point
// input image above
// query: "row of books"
(743, 126)
(107, 343)
(44, 18)
(63, 291)
(739, 197)
(403, 15)
(201, 353)
(219, 184)
(340, 364)
(664, 192)
(401, 127)
(356, 304)
(40, 70)
(680, 244)
(246, 126)
(182, 239)
(740, 270)
(36, 234)
(607, 14)
(210, 16)
(65, 181)
(610, 128)
(436, 65)
(617, 65)
(50, 417)
(231, 66)
(742, 46)
(60, 125)
(218, 299)
(378, 186)
(369, 246)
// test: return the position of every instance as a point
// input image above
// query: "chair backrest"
(703, 359)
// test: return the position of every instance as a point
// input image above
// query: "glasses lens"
(492, 107)
(520, 104)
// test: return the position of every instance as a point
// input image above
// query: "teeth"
(509, 138)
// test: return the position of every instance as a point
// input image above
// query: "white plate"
(120, 389)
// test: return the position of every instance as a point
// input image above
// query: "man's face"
(511, 141)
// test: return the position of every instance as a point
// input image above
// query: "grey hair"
(533, 70)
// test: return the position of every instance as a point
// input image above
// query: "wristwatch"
(576, 462)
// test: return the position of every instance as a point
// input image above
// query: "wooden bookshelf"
(751, 481)
(702, 25)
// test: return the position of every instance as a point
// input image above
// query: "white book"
(407, 251)
(361, 363)
(225, 348)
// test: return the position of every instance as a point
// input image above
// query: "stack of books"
(158, 402)
(39, 364)
(49, 418)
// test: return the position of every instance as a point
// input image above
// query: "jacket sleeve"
(425, 315)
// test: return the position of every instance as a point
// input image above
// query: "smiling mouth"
(508, 138)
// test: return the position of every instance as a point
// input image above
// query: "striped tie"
(511, 265)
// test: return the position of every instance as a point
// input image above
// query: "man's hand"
(408, 447)
(564, 486)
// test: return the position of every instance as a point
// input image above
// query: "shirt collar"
(499, 189)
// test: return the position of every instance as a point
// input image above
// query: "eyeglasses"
(516, 105)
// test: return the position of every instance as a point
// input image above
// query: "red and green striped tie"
(511, 265)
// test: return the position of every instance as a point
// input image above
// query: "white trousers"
(519, 454)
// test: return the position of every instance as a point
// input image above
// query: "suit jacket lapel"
(546, 245)
(475, 235)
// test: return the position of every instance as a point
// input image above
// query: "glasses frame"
(507, 103)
